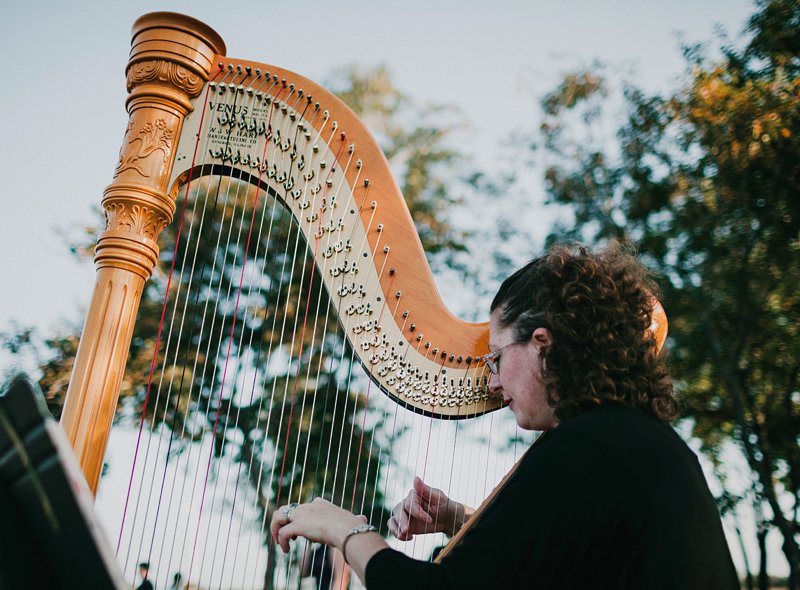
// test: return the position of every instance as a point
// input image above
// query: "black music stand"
(49, 535)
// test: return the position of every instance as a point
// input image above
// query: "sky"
(65, 114)
(64, 99)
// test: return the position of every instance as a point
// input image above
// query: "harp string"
(197, 291)
(315, 322)
(150, 377)
(259, 478)
(370, 381)
(323, 269)
(239, 348)
(286, 382)
(271, 111)
(302, 347)
(184, 424)
(238, 478)
(199, 337)
(297, 372)
(231, 340)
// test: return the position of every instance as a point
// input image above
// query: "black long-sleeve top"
(611, 498)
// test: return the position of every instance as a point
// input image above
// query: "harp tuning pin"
(221, 66)
(386, 249)
(248, 69)
(212, 85)
(322, 164)
(398, 294)
(419, 338)
(452, 357)
(291, 87)
(366, 182)
(283, 82)
(405, 313)
(266, 74)
(326, 113)
(351, 148)
(359, 163)
(391, 272)
(300, 92)
(316, 106)
(413, 327)
(250, 90)
(315, 147)
(427, 345)
(335, 125)
(469, 359)
(275, 77)
(460, 358)
(380, 225)
(230, 67)
(258, 72)
(239, 68)
(374, 204)
(435, 350)
(343, 135)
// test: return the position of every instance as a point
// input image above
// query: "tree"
(705, 180)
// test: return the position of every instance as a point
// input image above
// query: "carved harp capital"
(165, 72)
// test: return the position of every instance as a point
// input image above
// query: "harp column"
(171, 59)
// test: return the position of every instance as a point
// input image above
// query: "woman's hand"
(318, 521)
(426, 510)
(323, 522)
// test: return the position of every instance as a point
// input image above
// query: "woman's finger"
(285, 534)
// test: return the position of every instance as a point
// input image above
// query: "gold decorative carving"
(154, 136)
(139, 219)
(113, 212)
(165, 71)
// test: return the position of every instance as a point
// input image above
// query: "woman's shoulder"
(609, 431)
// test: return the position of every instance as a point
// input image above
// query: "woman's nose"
(494, 383)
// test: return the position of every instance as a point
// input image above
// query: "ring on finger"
(287, 512)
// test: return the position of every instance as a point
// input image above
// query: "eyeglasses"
(492, 359)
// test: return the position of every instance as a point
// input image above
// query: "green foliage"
(705, 181)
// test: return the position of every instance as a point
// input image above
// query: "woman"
(610, 496)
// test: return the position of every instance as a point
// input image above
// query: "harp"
(292, 259)
(214, 146)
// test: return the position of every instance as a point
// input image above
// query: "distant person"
(144, 569)
(177, 580)
(609, 497)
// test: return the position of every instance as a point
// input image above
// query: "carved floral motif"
(154, 136)
(165, 71)
(113, 212)
(138, 219)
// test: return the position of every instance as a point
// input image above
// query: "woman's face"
(519, 377)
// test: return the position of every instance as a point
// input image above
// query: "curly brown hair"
(598, 308)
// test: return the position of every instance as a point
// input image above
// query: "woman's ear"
(542, 338)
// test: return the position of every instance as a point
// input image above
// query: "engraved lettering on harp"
(151, 138)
